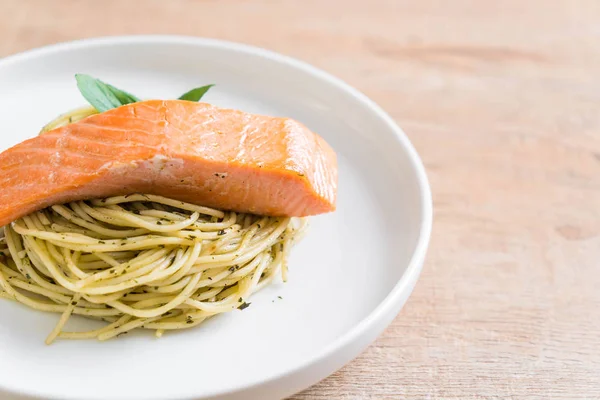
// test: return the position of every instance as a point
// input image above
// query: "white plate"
(348, 278)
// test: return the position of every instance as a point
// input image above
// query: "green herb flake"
(244, 305)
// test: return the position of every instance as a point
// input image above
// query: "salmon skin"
(188, 151)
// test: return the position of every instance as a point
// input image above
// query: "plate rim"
(415, 265)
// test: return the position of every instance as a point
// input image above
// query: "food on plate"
(155, 214)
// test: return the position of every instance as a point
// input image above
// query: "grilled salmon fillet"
(192, 152)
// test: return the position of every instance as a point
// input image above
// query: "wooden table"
(502, 100)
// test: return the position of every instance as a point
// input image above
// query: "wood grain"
(501, 98)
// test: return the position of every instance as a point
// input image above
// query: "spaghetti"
(70, 117)
(140, 261)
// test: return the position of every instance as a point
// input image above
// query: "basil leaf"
(102, 95)
(123, 96)
(195, 94)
